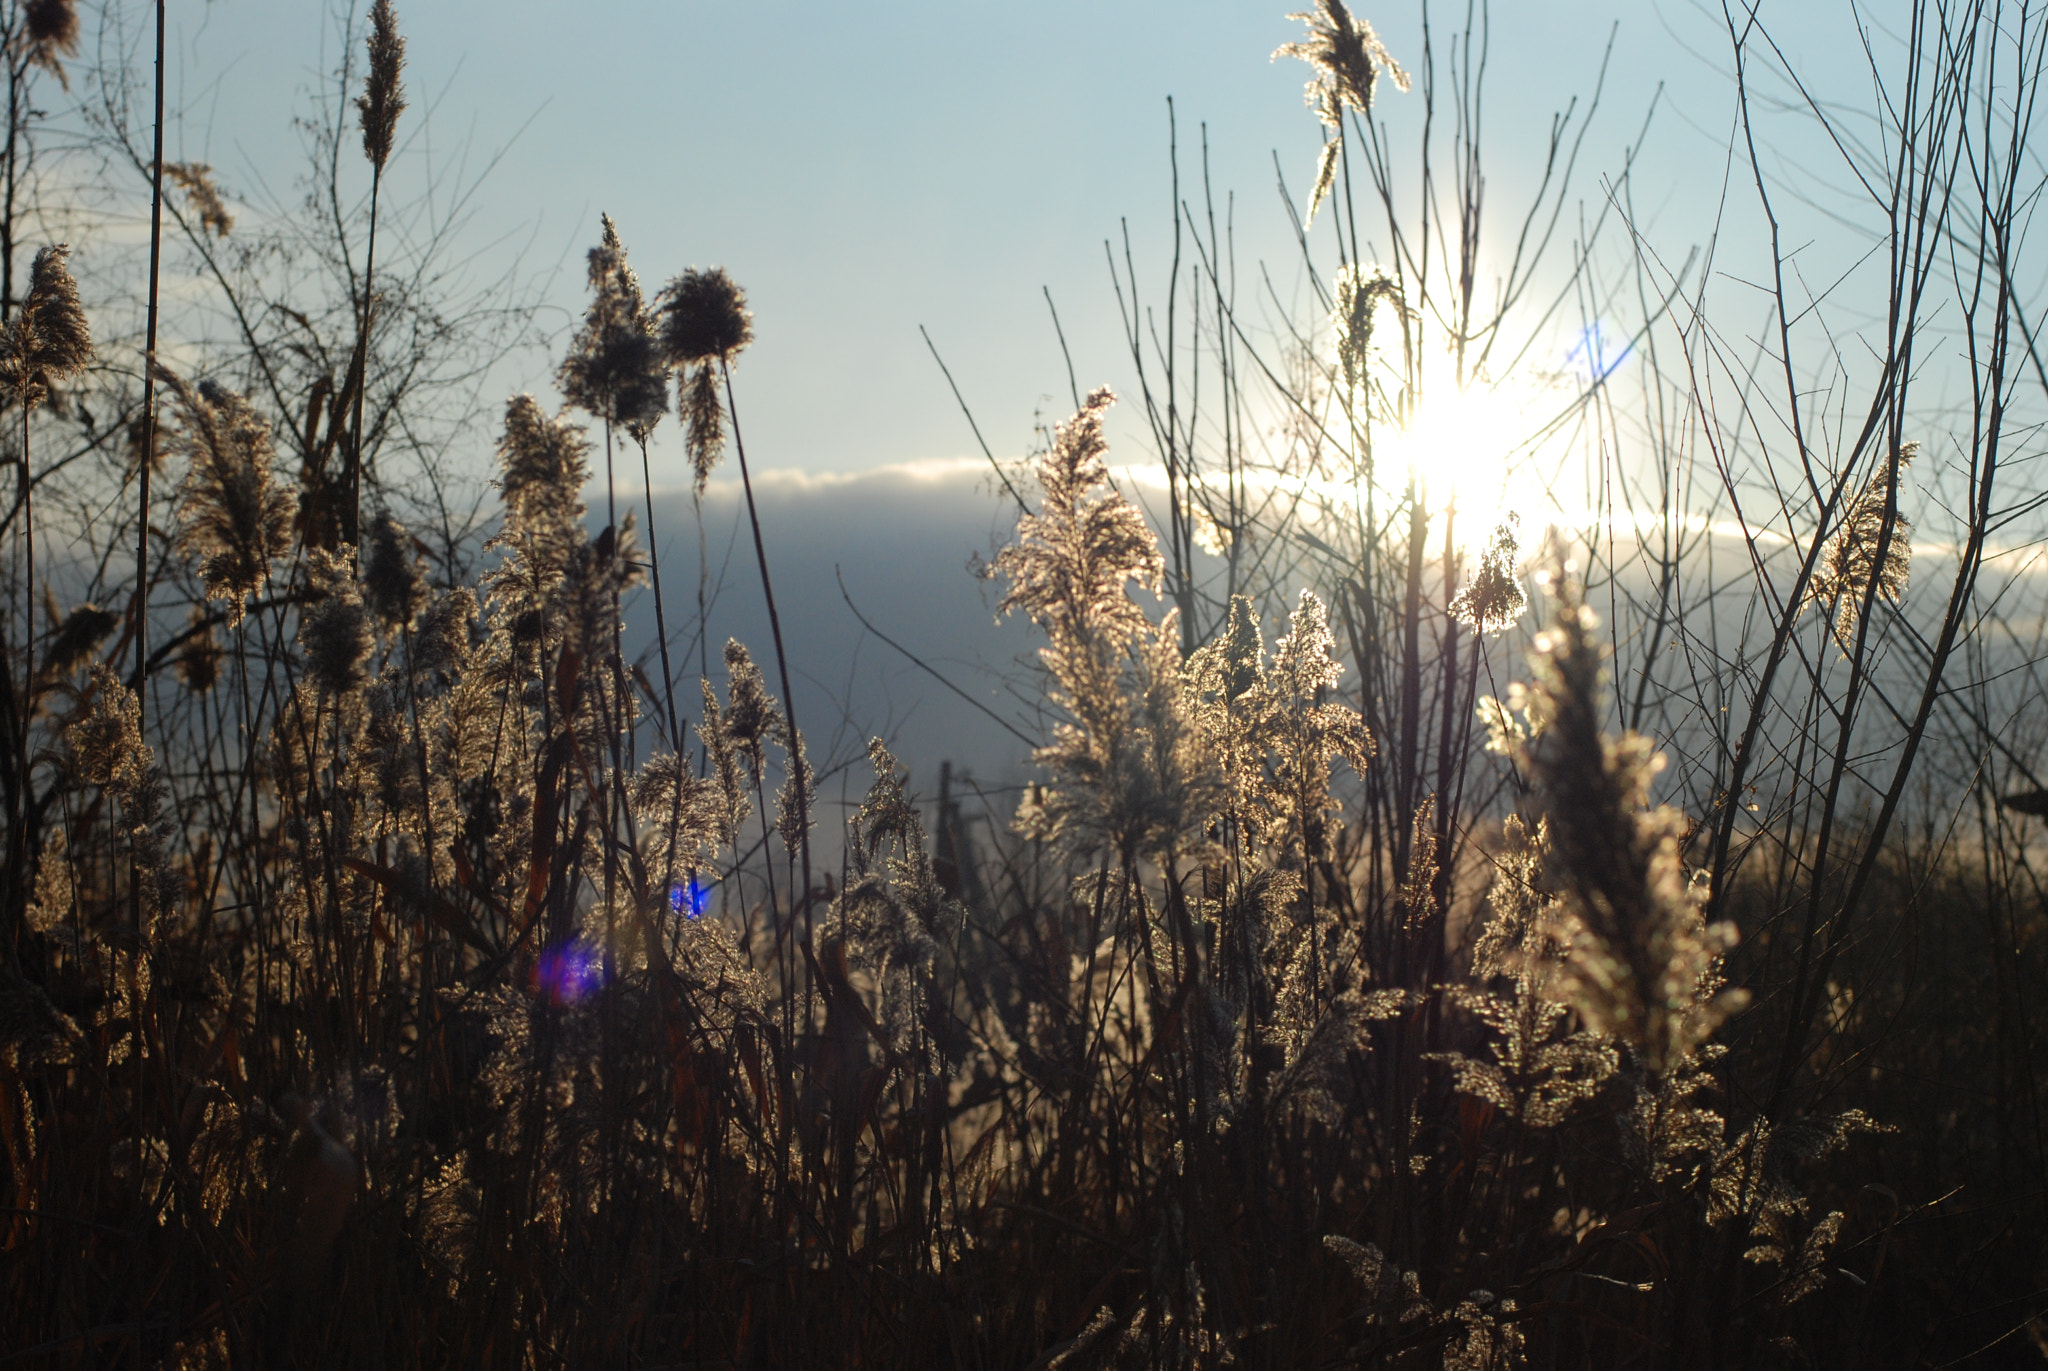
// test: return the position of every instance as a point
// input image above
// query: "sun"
(1478, 453)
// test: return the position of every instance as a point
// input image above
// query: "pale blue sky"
(866, 169)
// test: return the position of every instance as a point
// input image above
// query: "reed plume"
(234, 517)
(1494, 599)
(48, 35)
(703, 320)
(1359, 292)
(107, 752)
(379, 106)
(335, 630)
(48, 340)
(81, 631)
(615, 369)
(1345, 57)
(394, 585)
(383, 97)
(543, 464)
(1871, 554)
(1640, 962)
(196, 180)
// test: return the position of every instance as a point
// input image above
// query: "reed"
(1397, 958)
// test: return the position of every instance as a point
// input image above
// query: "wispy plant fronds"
(48, 340)
(1494, 600)
(1074, 561)
(724, 755)
(1131, 754)
(752, 720)
(441, 634)
(1346, 57)
(1641, 964)
(1359, 292)
(1538, 1068)
(107, 751)
(233, 516)
(542, 465)
(383, 97)
(614, 369)
(703, 420)
(1136, 776)
(680, 818)
(1326, 177)
(49, 34)
(335, 632)
(393, 583)
(703, 322)
(196, 180)
(81, 631)
(106, 741)
(704, 318)
(1851, 561)
(1272, 726)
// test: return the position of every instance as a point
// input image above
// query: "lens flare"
(568, 973)
(689, 899)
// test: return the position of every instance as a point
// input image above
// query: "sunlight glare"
(1474, 453)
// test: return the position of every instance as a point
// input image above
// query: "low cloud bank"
(900, 539)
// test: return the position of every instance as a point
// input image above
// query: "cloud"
(900, 539)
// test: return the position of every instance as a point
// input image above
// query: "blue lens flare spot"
(689, 899)
(1599, 350)
(568, 973)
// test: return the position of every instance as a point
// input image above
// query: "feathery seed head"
(196, 180)
(1640, 962)
(1073, 559)
(1346, 56)
(383, 97)
(48, 339)
(106, 741)
(615, 369)
(107, 751)
(544, 463)
(1494, 599)
(752, 718)
(1359, 292)
(1244, 648)
(74, 640)
(704, 418)
(393, 583)
(49, 33)
(703, 320)
(1873, 545)
(335, 631)
(232, 516)
(798, 795)
(704, 317)
(441, 637)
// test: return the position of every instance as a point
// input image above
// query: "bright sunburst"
(1478, 454)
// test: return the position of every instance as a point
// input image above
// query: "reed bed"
(1410, 951)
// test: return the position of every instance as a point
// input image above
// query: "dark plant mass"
(1526, 853)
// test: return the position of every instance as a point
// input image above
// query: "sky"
(868, 170)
